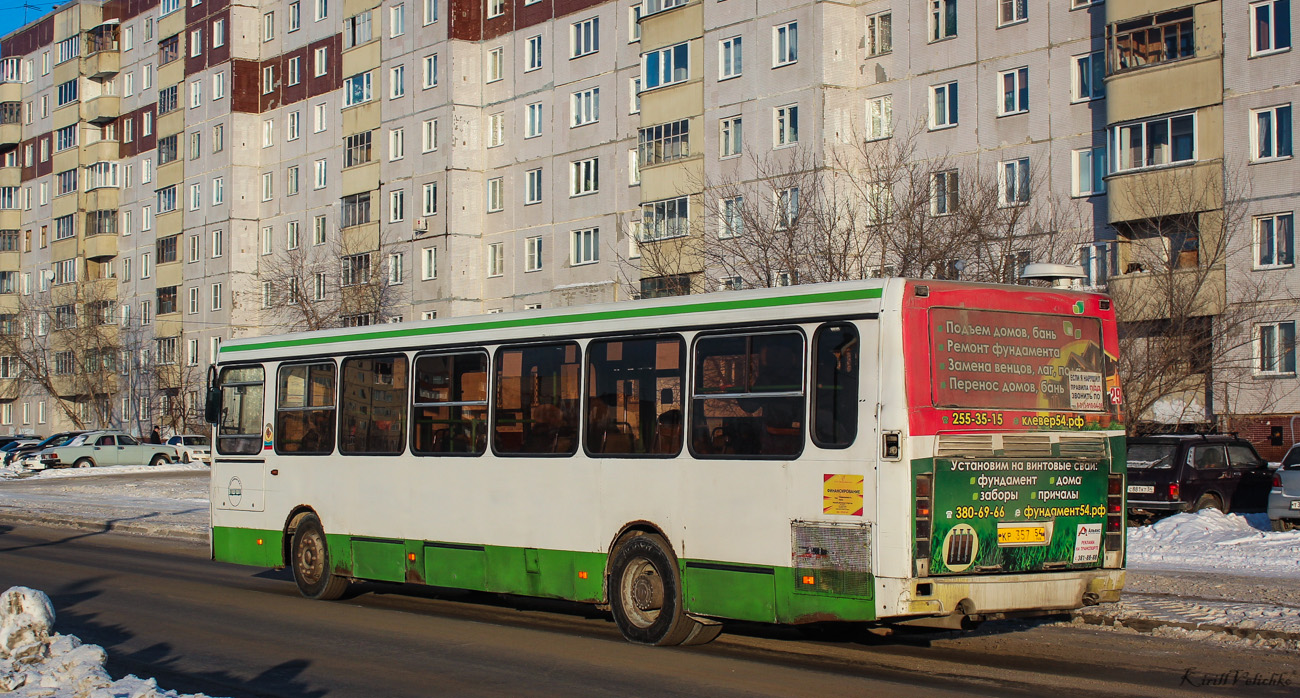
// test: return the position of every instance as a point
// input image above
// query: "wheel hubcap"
(311, 559)
(642, 592)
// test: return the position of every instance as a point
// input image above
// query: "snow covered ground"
(1210, 540)
(36, 661)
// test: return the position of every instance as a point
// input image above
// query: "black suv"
(1192, 472)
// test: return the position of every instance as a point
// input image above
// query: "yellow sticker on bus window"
(842, 495)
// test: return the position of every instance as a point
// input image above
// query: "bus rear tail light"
(923, 514)
(1115, 512)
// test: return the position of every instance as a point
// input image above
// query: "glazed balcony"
(11, 123)
(103, 57)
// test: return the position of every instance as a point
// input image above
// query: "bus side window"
(835, 385)
(239, 429)
(748, 397)
(450, 412)
(634, 396)
(373, 405)
(538, 394)
(304, 409)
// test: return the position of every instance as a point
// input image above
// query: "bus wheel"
(646, 593)
(311, 562)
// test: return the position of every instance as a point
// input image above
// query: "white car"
(192, 447)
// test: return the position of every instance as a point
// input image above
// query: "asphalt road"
(162, 609)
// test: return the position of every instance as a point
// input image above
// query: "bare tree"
(345, 281)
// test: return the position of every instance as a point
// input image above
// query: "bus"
(886, 451)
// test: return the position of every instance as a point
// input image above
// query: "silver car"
(98, 448)
(1284, 498)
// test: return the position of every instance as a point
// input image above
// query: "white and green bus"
(888, 451)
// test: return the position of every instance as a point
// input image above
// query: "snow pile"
(13, 472)
(36, 661)
(1211, 540)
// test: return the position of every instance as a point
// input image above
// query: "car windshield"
(196, 441)
(57, 440)
(1158, 456)
(1292, 458)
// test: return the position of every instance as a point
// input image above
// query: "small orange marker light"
(582, 575)
(809, 580)
(411, 557)
(259, 541)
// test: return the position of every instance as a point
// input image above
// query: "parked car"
(26, 456)
(6, 440)
(1174, 473)
(105, 447)
(192, 447)
(15, 445)
(1284, 499)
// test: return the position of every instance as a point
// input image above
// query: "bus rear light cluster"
(1115, 512)
(923, 514)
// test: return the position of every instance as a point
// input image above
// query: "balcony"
(101, 109)
(11, 123)
(100, 151)
(11, 176)
(101, 247)
(103, 59)
(1196, 291)
(11, 91)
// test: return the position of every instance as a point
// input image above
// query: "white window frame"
(731, 58)
(1278, 349)
(584, 177)
(785, 44)
(731, 137)
(1264, 146)
(533, 53)
(496, 65)
(1095, 160)
(880, 117)
(533, 186)
(1271, 225)
(951, 112)
(584, 246)
(1268, 46)
(533, 253)
(785, 126)
(1015, 184)
(533, 116)
(1092, 68)
(584, 107)
(496, 259)
(584, 37)
(495, 194)
(1015, 99)
(1012, 12)
(428, 263)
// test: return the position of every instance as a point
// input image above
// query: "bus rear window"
(239, 431)
(990, 359)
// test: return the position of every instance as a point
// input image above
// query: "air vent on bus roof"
(1027, 445)
(973, 445)
(1082, 446)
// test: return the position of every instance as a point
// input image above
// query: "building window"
(67, 92)
(1270, 26)
(785, 44)
(495, 194)
(1012, 12)
(396, 144)
(730, 134)
(318, 231)
(496, 259)
(429, 199)
(943, 193)
(585, 177)
(496, 8)
(880, 117)
(291, 236)
(787, 208)
(786, 129)
(357, 30)
(533, 190)
(356, 149)
(533, 53)
(634, 85)
(880, 34)
(533, 120)
(585, 107)
(496, 64)
(396, 268)
(730, 58)
(356, 210)
(430, 71)
(665, 219)
(732, 214)
(943, 105)
(1163, 141)
(1274, 241)
(533, 253)
(666, 66)
(218, 138)
(167, 199)
(321, 61)
(1013, 182)
(1089, 171)
(1089, 75)
(585, 246)
(1151, 40)
(429, 136)
(496, 130)
(396, 205)
(320, 174)
(396, 20)
(320, 286)
(584, 37)
(357, 90)
(664, 142)
(943, 19)
(430, 11)
(1097, 260)
(268, 189)
(355, 269)
(1015, 91)
(428, 263)
(1275, 348)
(1271, 132)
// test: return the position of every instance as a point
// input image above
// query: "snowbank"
(1211, 540)
(36, 661)
(13, 473)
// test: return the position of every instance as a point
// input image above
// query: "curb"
(1096, 615)
(99, 526)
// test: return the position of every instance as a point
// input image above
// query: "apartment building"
(488, 155)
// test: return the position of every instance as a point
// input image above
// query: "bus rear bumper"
(983, 597)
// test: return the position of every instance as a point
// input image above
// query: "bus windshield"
(990, 359)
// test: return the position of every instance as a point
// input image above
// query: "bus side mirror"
(212, 406)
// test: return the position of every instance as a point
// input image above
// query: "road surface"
(162, 609)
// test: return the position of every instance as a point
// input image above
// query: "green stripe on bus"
(710, 588)
(621, 314)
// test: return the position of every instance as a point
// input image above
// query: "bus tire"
(311, 562)
(645, 593)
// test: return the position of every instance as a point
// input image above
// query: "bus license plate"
(1141, 489)
(1295, 505)
(1032, 534)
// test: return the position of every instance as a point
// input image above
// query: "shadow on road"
(98, 529)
